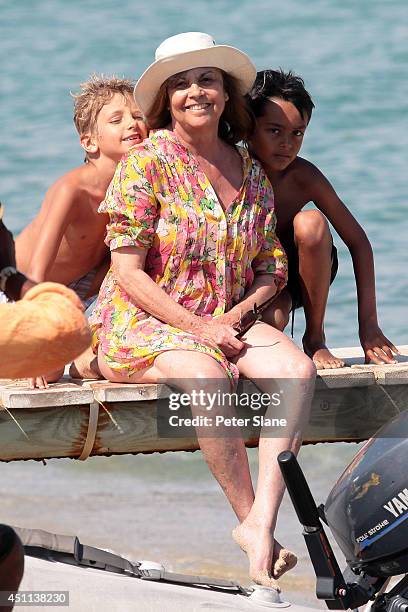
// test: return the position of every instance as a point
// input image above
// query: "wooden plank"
(67, 392)
(60, 394)
(350, 414)
(349, 404)
(59, 431)
(354, 354)
(386, 374)
(353, 413)
(116, 392)
(346, 378)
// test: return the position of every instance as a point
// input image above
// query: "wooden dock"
(81, 418)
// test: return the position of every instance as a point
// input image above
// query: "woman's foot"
(268, 560)
(284, 560)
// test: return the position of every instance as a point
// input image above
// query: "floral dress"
(200, 255)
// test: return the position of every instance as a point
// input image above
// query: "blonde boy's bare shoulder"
(73, 185)
(77, 178)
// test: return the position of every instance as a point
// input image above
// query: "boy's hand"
(39, 382)
(377, 348)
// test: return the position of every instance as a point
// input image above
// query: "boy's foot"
(268, 560)
(321, 356)
(85, 366)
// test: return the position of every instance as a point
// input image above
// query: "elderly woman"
(193, 249)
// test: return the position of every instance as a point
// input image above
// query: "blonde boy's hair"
(94, 94)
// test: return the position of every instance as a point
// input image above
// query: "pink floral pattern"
(203, 257)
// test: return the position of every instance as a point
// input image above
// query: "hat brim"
(226, 58)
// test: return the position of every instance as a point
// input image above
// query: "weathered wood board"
(349, 405)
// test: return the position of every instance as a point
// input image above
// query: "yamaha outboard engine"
(367, 512)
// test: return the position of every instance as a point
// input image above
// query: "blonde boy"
(65, 241)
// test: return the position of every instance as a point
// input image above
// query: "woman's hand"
(377, 348)
(221, 333)
(232, 317)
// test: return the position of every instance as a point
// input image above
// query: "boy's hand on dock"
(377, 348)
(39, 382)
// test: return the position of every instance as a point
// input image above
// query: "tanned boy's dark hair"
(279, 84)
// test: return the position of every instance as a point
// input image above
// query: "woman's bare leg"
(224, 453)
(226, 456)
(275, 364)
(314, 244)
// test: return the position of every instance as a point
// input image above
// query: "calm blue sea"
(353, 57)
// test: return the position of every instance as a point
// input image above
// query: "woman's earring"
(226, 96)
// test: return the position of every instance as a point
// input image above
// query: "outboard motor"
(367, 512)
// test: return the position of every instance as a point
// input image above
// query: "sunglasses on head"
(251, 317)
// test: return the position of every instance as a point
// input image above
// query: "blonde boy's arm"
(377, 347)
(58, 210)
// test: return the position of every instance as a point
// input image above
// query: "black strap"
(293, 322)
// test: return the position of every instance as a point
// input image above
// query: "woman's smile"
(198, 107)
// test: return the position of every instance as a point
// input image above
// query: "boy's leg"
(86, 364)
(278, 313)
(314, 244)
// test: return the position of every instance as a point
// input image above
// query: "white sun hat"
(191, 50)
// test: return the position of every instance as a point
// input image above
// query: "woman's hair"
(279, 84)
(236, 122)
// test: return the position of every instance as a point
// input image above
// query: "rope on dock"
(91, 433)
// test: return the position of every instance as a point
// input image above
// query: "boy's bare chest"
(290, 198)
(87, 227)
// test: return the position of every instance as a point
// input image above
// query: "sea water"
(353, 57)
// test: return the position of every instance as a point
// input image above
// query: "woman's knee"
(311, 229)
(303, 368)
(205, 383)
(208, 379)
(191, 370)
(294, 364)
